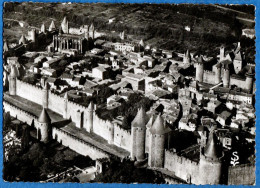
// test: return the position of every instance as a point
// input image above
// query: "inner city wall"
(77, 113)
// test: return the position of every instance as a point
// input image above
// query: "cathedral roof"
(211, 149)
(140, 119)
(44, 117)
(52, 26)
(159, 126)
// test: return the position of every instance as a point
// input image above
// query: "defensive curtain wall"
(210, 77)
(76, 112)
(60, 135)
(182, 167)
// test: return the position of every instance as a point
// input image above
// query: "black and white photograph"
(129, 93)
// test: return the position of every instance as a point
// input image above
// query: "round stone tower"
(218, 73)
(199, 69)
(44, 128)
(226, 76)
(45, 95)
(210, 165)
(138, 129)
(89, 117)
(249, 80)
(158, 136)
(12, 80)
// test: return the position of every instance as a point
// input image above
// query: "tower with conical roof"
(148, 134)
(199, 69)
(45, 95)
(43, 28)
(12, 80)
(187, 58)
(52, 26)
(138, 135)
(44, 127)
(90, 111)
(65, 25)
(237, 62)
(210, 162)
(249, 80)
(159, 134)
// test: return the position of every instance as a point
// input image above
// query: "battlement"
(62, 132)
(122, 129)
(171, 155)
(209, 72)
(251, 64)
(22, 83)
(211, 159)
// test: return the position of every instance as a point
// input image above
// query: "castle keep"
(226, 71)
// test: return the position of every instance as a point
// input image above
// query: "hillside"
(160, 25)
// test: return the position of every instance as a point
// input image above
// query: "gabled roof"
(44, 117)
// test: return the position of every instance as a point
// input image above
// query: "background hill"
(160, 25)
